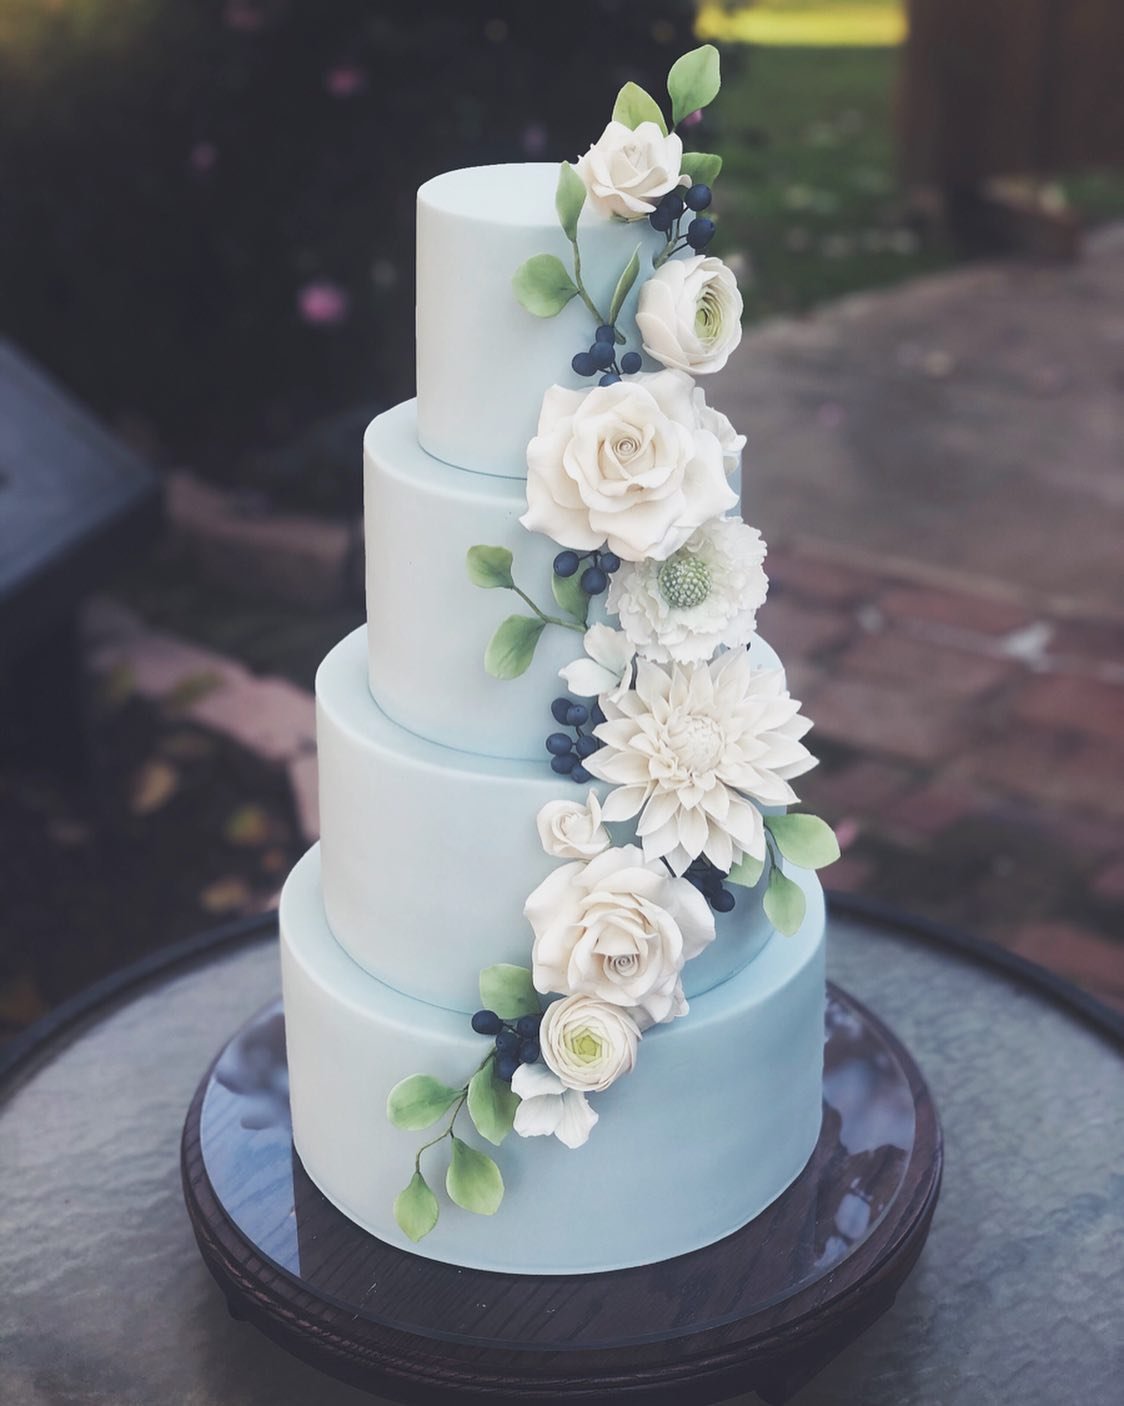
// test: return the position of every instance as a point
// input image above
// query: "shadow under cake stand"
(762, 1310)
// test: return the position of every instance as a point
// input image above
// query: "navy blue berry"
(528, 1025)
(487, 1023)
(558, 744)
(579, 774)
(566, 563)
(630, 363)
(605, 333)
(602, 354)
(594, 580)
(660, 219)
(507, 1042)
(583, 364)
(608, 561)
(586, 746)
(698, 197)
(506, 1065)
(578, 715)
(560, 709)
(700, 232)
(528, 1051)
(721, 900)
(610, 378)
(673, 203)
(564, 765)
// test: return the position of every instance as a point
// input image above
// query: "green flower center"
(584, 1045)
(684, 581)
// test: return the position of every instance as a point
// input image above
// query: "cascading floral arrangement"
(694, 746)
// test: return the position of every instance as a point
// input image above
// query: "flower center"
(585, 1045)
(700, 744)
(626, 446)
(625, 965)
(684, 581)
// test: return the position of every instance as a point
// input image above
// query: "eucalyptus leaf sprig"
(473, 1180)
(809, 843)
(512, 647)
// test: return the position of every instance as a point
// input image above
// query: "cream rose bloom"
(620, 929)
(627, 170)
(628, 464)
(719, 425)
(689, 314)
(588, 1043)
(570, 830)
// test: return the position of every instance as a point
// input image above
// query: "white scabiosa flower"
(627, 170)
(703, 598)
(691, 748)
(690, 314)
(548, 1107)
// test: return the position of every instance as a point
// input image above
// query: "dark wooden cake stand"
(763, 1310)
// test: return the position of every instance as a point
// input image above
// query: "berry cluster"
(602, 357)
(517, 1041)
(707, 878)
(567, 753)
(595, 577)
(668, 215)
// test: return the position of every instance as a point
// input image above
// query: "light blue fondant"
(720, 1114)
(429, 853)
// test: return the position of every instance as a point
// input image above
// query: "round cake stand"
(764, 1309)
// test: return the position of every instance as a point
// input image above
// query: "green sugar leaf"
(702, 168)
(416, 1209)
(569, 200)
(624, 285)
(512, 647)
(570, 596)
(489, 567)
(746, 872)
(509, 991)
(473, 1180)
(693, 82)
(805, 839)
(634, 105)
(784, 903)
(418, 1102)
(543, 286)
(491, 1104)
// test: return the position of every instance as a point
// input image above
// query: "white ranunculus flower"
(628, 464)
(607, 666)
(688, 745)
(719, 425)
(702, 598)
(619, 929)
(548, 1107)
(588, 1043)
(627, 170)
(689, 314)
(570, 830)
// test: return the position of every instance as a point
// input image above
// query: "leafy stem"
(462, 1099)
(546, 619)
(583, 292)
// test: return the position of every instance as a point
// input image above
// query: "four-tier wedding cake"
(553, 977)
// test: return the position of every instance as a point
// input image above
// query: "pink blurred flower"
(243, 15)
(346, 80)
(534, 139)
(203, 156)
(692, 119)
(323, 304)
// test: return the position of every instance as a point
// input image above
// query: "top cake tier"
(483, 361)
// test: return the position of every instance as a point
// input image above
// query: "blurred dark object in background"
(206, 208)
(999, 89)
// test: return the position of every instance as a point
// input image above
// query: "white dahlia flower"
(686, 748)
(703, 597)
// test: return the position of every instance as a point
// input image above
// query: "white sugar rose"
(570, 830)
(689, 314)
(704, 597)
(548, 1107)
(628, 464)
(588, 1043)
(627, 170)
(719, 425)
(620, 929)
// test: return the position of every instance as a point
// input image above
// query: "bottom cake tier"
(719, 1116)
